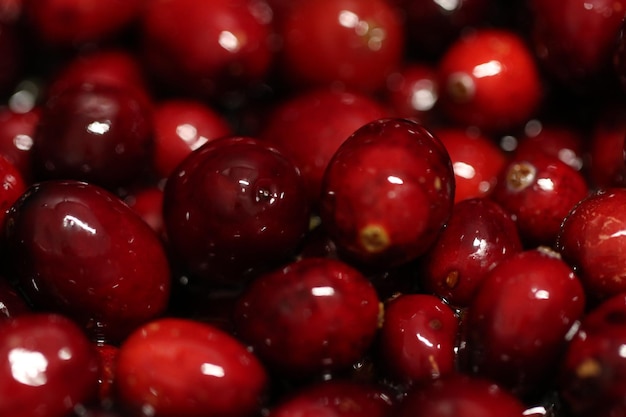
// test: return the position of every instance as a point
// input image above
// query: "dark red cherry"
(234, 205)
(337, 398)
(387, 192)
(574, 39)
(479, 235)
(310, 126)
(71, 24)
(77, 249)
(539, 190)
(17, 133)
(592, 377)
(93, 133)
(312, 316)
(12, 186)
(593, 240)
(460, 396)
(489, 79)
(206, 48)
(183, 368)
(181, 126)
(344, 43)
(418, 338)
(476, 160)
(518, 322)
(12, 304)
(47, 366)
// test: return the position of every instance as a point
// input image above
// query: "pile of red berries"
(289, 208)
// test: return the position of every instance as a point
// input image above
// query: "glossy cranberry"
(519, 319)
(418, 338)
(413, 92)
(478, 236)
(78, 22)
(606, 149)
(337, 398)
(592, 378)
(592, 240)
(311, 316)
(93, 133)
(460, 396)
(17, 133)
(565, 142)
(574, 39)
(147, 202)
(309, 128)
(539, 190)
(180, 127)
(387, 192)
(234, 205)
(489, 79)
(433, 25)
(476, 159)
(348, 43)
(206, 48)
(118, 68)
(12, 304)
(12, 186)
(48, 366)
(77, 249)
(178, 368)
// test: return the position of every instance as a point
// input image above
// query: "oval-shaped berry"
(75, 248)
(175, 367)
(387, 192)
(312, 316)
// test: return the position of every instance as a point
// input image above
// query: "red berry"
(183, 368)
(12, 186)
(478, 236)
(489, 79)
(413, 92)
(233, 206)
(312, 316)
(418, 338)
(48, 366)
(593, 241)
(75, 248)
(519, 319)
(17, 133)
(387, 192)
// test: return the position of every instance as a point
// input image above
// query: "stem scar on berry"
(520, 176)
(374, 238)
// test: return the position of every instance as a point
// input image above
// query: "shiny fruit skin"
(519, 319)
(418, 338)
(312, 316)
(77, 249)
(174, 367)
(48, 366)
(479, 235)
(592, 240)
(232, 206)
(12, 186)
(387, 193)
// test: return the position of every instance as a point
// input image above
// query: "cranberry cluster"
(289, 208)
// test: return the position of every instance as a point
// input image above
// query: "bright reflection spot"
(622, 351)
(588, 6)
(212, 370)
(229, 41)
(464, 170)
(487, 69)
(542, 295)
(423, 97)
(480, 245)
(99, 128)
(424, 340)
(395, 180)
(64, 354)
(448, 5)
(187, 132)
(323, 291)
(23, 142)
(540, 410)
(28, 367)
(348, 19)
(545, 184)
(71, 221)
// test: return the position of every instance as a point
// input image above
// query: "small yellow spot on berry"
(452, 279)
(589, 368)
(374, 238)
